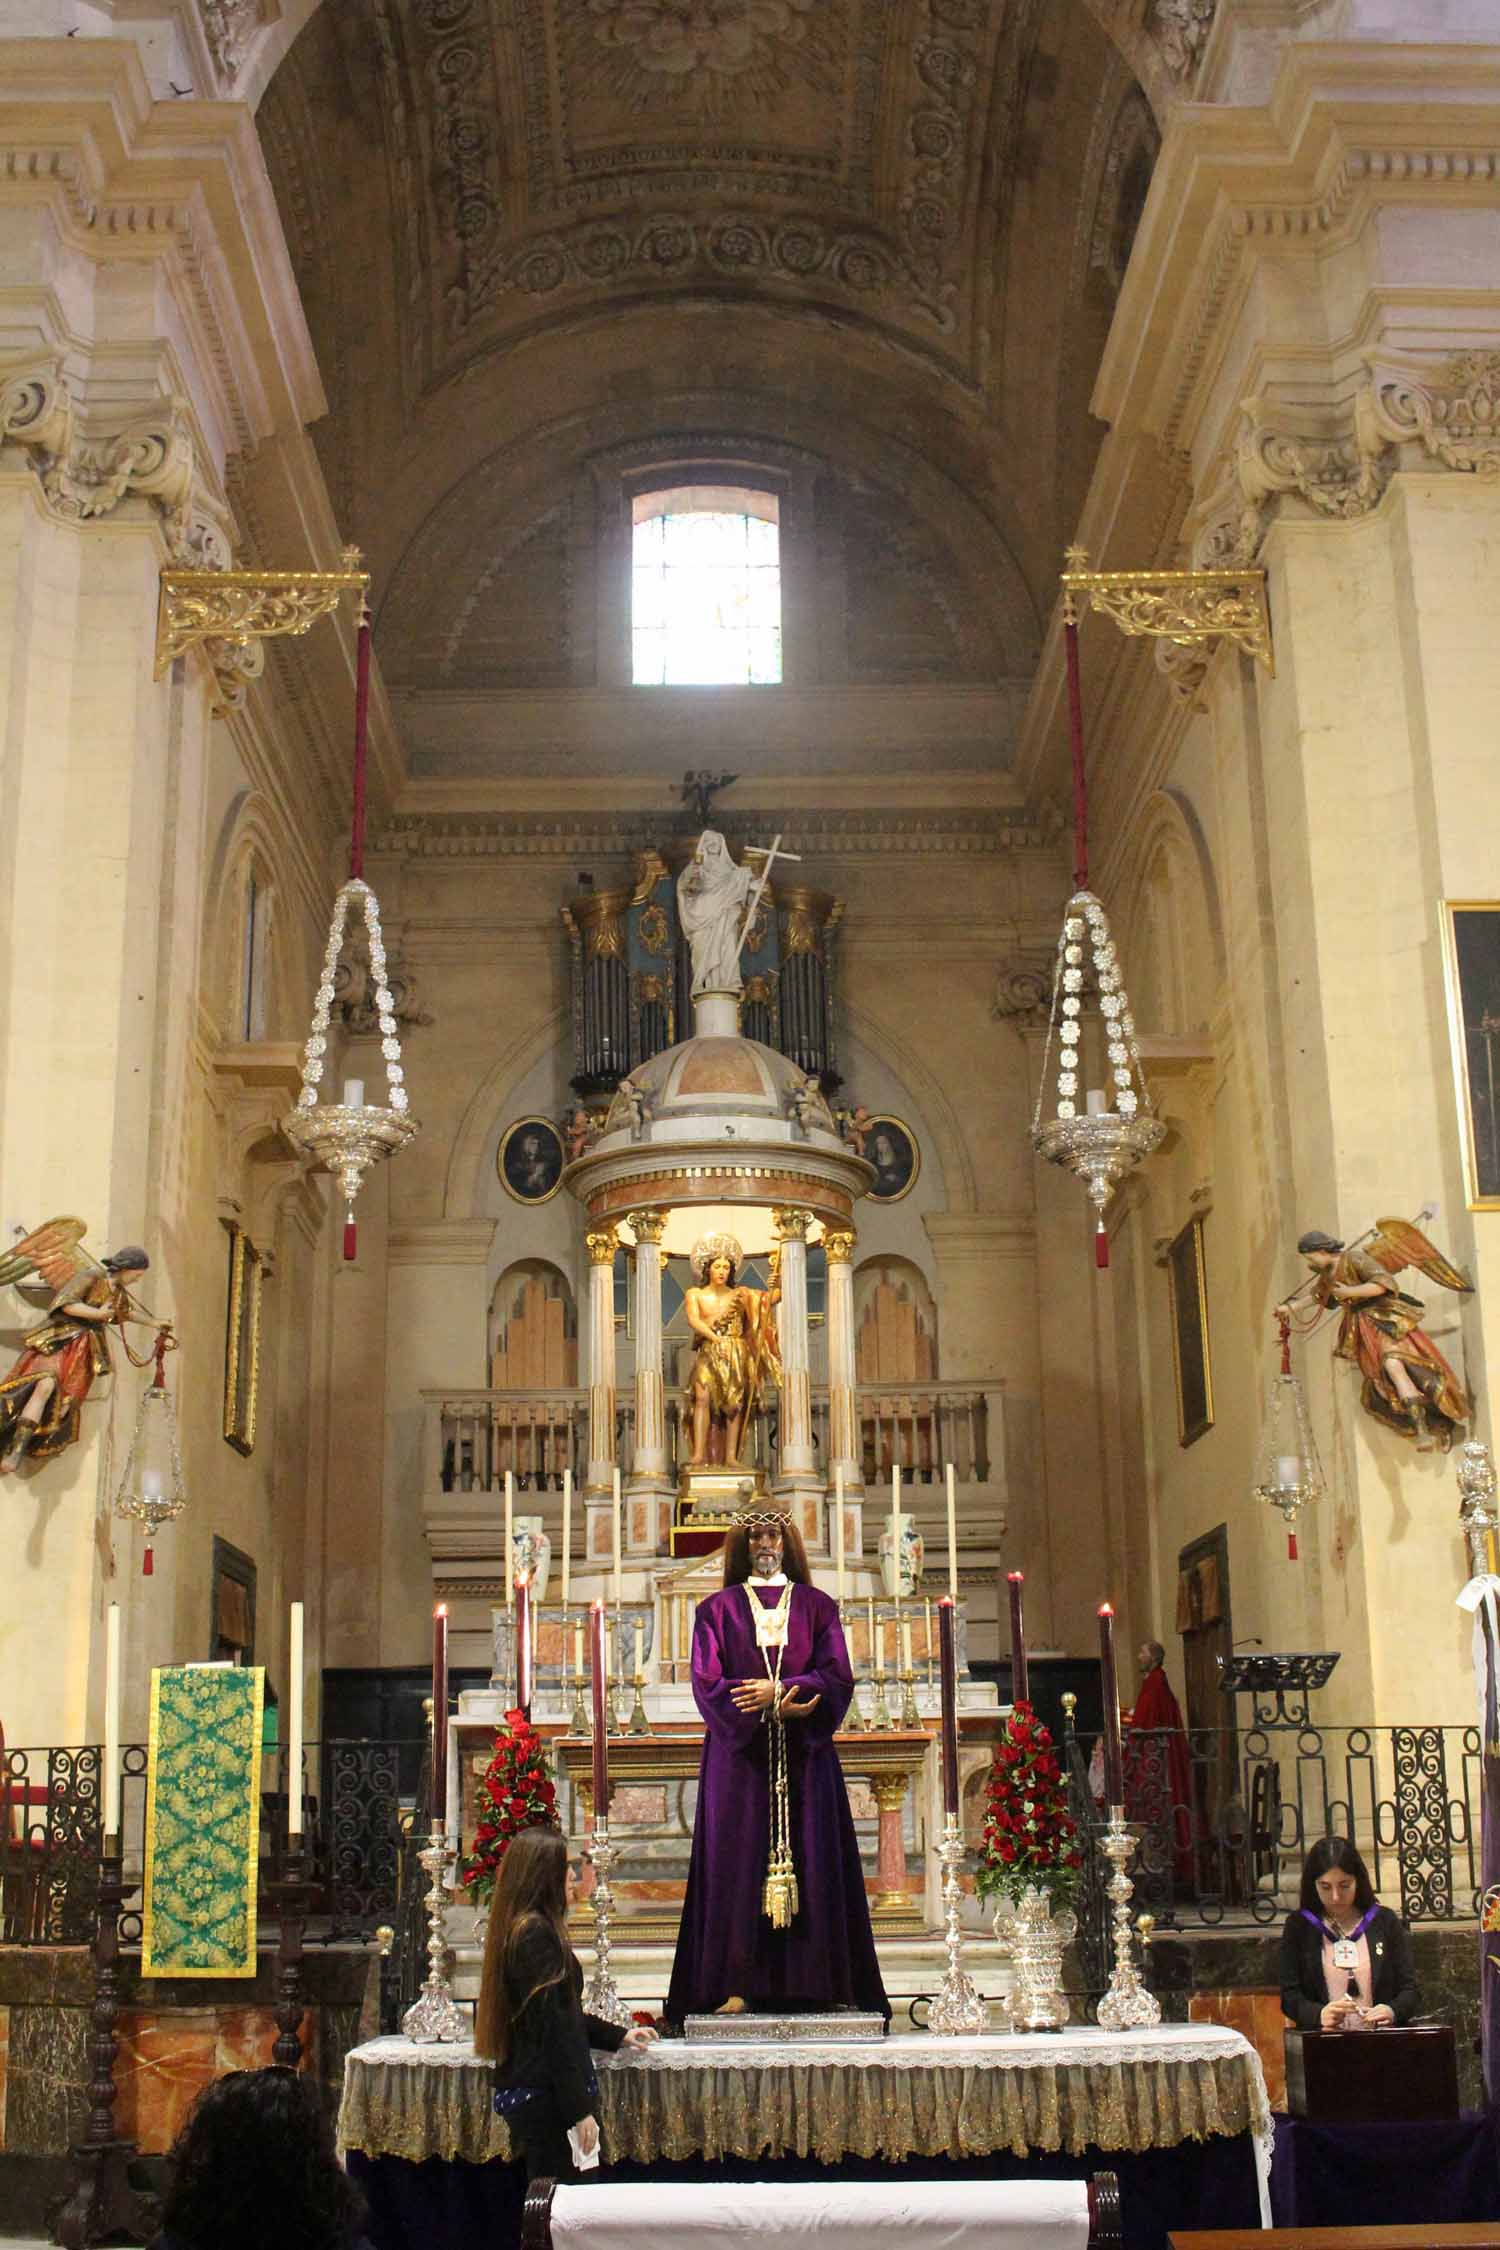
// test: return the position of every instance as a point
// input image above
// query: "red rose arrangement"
(1030, 1840)
(515, 1792)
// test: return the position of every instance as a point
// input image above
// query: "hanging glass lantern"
(151, 1489)
(348, 1136)
(1104, 1141)
(1098, 1141)
(1288, 1473)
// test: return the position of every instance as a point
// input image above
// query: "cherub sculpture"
(805, 1108)
(41, 1399)
(854, 1125)
(580, 1132)
(1408, 1385)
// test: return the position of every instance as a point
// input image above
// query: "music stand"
(1271, 1679)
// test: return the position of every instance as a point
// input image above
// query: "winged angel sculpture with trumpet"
(42, 1397)
(1407, 1384)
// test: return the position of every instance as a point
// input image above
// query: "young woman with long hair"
(529, 2020)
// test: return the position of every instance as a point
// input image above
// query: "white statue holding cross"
(717, 902)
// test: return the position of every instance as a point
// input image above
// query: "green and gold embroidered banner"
(202, 1822)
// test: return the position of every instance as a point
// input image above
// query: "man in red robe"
(1158, 1768)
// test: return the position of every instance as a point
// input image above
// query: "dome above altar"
(719, 1079)
(720, 1118)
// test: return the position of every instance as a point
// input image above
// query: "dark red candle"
(601, 1715)
(523, 1641)
(1114, 1754)
(948, 1672)
(1020, 1691)
(440, 1713)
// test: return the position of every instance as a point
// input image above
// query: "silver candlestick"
(959, 2006)
(602, 1998)
(1127, 2005)
(434, 2015)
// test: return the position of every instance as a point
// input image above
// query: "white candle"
(838, 1529)
(354, 1093)
(896, 1531)
(952, 1537)
(617, 1538)
(294, 1725)
(877, 1638)
(578, 1650)
(112, 1721)
(640, 1647)
(567, 1532)
(906, 1645)
(1096, 1101)
(510, 1552)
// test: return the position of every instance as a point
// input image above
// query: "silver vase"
(1036, 1938)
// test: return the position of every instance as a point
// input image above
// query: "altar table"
(1180, 2112)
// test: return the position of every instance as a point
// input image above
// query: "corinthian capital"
(791, 1222)
(1452, 413)
(838, 1243)
(648, 1226)
(603, 1242)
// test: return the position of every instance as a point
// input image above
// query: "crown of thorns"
(763, 1519)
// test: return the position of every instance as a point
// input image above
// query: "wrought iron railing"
(356, 1810)
(1225, 1820)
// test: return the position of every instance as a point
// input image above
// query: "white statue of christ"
(711, 895)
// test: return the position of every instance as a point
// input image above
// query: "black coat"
(1393, 1980)
(550, 2036)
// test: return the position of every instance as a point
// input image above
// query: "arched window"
(706, 587)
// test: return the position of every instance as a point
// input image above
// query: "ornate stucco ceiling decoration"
(564, 156)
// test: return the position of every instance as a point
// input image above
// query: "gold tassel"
(779, 1897)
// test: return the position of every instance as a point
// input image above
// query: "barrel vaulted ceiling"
(543, 243)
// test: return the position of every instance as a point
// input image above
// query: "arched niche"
(895, 1323)
(1172, 939)
(532, 1343)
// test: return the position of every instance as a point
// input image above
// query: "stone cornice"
(981, 1235)
(180, 182)
(441, 1242)
(579, 836)
(1347, 129)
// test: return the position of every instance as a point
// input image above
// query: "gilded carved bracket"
(1189, 608)
(228, 613)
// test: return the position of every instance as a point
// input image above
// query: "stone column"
(843, 1401)
(650, 1477)
(602, 1242)
(890, 1863)
(798, 1465)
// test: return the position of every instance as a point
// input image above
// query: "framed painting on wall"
(1191, 1361)
(530, 1160)
(1471, 955)
(242, 1340)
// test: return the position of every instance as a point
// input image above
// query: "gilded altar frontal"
(749, 765)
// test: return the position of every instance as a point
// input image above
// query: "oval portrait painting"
(530, 1160)
(892, 1148)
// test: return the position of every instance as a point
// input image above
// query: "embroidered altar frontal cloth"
(202, 1822)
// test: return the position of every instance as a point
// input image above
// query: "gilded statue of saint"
(737, 1344)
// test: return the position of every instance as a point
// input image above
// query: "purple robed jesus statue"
(730, 1956)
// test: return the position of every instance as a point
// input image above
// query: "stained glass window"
(706, 608)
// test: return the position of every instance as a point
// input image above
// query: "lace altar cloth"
(906, 2097)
